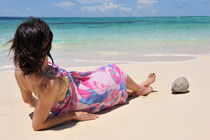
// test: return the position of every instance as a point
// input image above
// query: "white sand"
(159, 116)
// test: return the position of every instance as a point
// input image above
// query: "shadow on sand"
(71, 124)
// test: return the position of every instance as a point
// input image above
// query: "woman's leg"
(141, 89)
(150, 79)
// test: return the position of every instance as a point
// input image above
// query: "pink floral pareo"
(92, 91)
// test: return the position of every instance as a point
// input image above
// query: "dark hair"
(31, 43)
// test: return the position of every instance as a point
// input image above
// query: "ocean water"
(99, 41)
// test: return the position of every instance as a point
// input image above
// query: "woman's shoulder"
(51, 85)
(19, 76)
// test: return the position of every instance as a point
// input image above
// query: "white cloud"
(105, 7)
(145, 8)
(28, 9)
(147, 2)
(63, 4)
(10, 12)
(92, 1)
(126, 9)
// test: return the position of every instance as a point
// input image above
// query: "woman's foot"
(144, 91)
(141, 89)
(150, 79)
(147, 91)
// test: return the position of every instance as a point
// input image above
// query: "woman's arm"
(28, 98)
(47, 98)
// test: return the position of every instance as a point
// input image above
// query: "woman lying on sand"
(61, 95)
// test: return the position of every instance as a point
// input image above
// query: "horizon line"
(96, 16)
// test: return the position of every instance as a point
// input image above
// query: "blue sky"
(104, 8)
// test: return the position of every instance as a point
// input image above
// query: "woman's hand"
(84, 116)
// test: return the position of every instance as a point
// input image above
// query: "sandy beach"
(160, 116)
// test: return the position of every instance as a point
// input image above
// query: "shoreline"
(91, 63)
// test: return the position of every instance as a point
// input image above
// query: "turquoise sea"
(98, 41)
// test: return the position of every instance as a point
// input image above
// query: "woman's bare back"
(35, 84)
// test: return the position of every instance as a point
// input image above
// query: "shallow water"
(96, 41)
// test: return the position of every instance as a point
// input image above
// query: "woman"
(62, 96)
